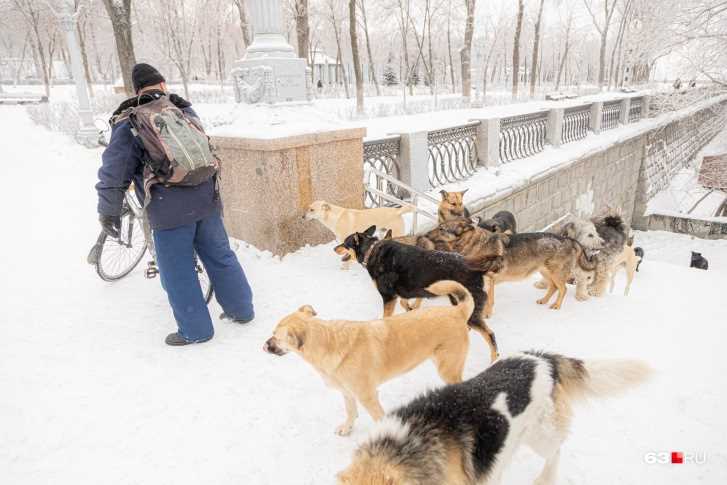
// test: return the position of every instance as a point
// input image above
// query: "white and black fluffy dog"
(466, 434)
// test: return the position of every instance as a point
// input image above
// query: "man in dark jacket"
(183, 219)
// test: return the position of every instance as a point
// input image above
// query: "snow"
(685, 196)
(90, 394)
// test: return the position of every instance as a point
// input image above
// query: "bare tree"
(120, 15)
(609, 7)
(516, 49)
(536, 47)
(372, 69)
(302, 27)
(43, 39)
(176, 34)
(353, 26)
(465, 53)
(244, 25)
(566, 48)
(449, 46)
(335, 21)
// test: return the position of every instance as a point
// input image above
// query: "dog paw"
(541, 285)
(582, 297)
(541, 301)
(555, 306)
(344, 430)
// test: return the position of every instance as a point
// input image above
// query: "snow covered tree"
(390, 78)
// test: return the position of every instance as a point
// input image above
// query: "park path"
(89, 393)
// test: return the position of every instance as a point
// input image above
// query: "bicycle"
(115, 258)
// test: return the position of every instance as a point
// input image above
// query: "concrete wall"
(625, 175)
(268, 184)
(583, 188)
(706, 229)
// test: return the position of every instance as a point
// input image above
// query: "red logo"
(677, 457)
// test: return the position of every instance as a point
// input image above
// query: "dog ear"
(444, 194)
(296, 337)
(504, 241)
(308, 310)
(388, 235)
(325, 207)
(370, 231)
(569, 230)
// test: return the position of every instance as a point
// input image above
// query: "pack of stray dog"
(466, 432)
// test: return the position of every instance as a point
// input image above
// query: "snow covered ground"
(685, 195)
(90, 394)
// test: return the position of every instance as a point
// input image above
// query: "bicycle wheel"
(117, 257)
(204, 281)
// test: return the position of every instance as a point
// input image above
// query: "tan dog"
(629, 261)
(343, 222)
(357, 357)
(452, 206)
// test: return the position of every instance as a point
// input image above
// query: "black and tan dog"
(402, 271)
(514, 258)
(452, 206)
(357, 357)
(467, 433)
(503, 221)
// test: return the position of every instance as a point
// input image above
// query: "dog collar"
(365, 261)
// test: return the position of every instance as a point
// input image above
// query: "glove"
(111, 225)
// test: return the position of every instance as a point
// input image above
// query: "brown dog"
(515, 257)
(357, 357)
(452, 206)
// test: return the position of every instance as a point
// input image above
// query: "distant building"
(326, 69)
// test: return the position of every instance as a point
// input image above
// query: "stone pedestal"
(271, 71)
(268, 185)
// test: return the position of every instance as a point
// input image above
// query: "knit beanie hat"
(144, 75)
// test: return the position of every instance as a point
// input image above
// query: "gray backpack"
(178, 151)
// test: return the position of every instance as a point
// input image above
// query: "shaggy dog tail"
(600, 378)
(616, 222)
(465, 303)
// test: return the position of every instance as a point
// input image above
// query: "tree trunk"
(449, 48)
(465, 54)
(602, 60)
(120, 15)
(516, 48)
(356, 57)
(84, 58)
(368, 48)
(536, 47)
(244, 24)
(565, 53)
(302, 28)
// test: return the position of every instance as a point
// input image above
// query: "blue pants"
(175, 258)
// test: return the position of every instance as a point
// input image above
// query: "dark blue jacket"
(169, 206)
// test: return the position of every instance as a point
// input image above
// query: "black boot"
(225, 316)
(176, 340)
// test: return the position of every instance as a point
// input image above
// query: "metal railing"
(452, 154)
(381, 156)
(635, 110)
(672, 147)
(522, 136)
(392, 200)
(610, 115)
(576, 123)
